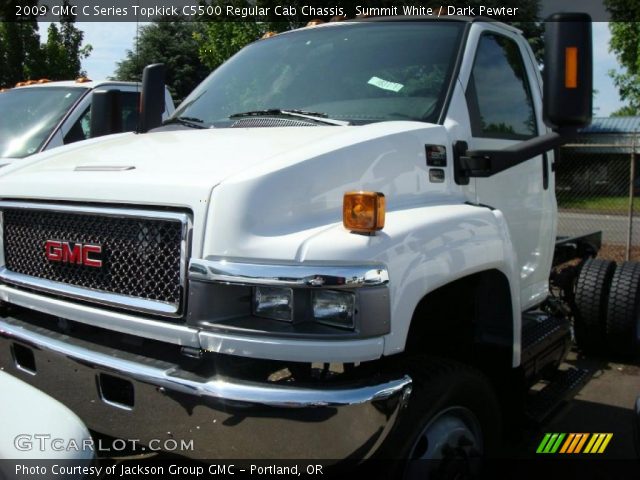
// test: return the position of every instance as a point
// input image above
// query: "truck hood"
(7, 161)
(268, 180)
(174, 168)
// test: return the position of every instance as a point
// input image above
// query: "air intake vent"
(272, 122)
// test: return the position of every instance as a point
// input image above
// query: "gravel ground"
(617, 253)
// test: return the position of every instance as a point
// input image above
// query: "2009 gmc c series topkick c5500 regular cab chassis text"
(340, 245)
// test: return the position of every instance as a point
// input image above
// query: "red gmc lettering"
(72, 254)
(53, 250)
(91, 262)
(67, 252)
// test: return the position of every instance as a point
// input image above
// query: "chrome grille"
(142, 257)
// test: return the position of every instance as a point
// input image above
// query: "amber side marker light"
(571, 67)
(363, 212)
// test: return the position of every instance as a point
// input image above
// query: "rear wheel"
(591, 301)
(451, 422)
(623, 315)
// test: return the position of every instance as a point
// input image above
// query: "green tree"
(23, 57)
(220, 40)
(626, 111)
(72, 39)
(172, 42)
(625, 43)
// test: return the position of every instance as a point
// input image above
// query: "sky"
(111, 40)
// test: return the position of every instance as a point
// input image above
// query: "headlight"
(273, 302)
(333, 308)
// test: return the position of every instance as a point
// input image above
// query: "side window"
(130, 103)
(498, 95)
(81, 130)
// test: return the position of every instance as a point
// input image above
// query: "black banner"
(283, 11)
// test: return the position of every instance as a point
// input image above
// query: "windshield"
(361, 73)
(29, 115)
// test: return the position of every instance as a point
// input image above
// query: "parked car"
(35, 426)
(42, 115)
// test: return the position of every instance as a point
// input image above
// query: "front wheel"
(451, 422)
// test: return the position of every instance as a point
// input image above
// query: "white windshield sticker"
(384, 84)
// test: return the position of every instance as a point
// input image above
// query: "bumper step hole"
(24, 359)
(116, 391)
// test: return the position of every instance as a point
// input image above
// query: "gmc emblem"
(78, 253)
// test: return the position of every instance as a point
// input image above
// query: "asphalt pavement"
(605, 404)
(614, 227)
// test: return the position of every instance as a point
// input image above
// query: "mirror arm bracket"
(485, 163)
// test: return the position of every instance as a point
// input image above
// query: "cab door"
(503, 99)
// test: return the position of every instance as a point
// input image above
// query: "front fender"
(425, 248)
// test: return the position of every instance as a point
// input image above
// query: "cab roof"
(414, 18)
(90, 84)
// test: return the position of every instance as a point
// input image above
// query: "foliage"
(220, 40)
(23, 57)
(625, 43)
(626, 111)
(171, 41)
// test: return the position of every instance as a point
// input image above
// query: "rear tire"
(623, 316)
(452, 420)
(591, 301)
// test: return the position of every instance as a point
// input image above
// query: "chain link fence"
(597, 187)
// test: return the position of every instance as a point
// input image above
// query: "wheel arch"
(469, 319)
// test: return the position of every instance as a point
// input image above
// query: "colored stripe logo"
(573, 443)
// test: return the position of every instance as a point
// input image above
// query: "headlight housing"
(333, 308)
(273, 302)
(328, 307)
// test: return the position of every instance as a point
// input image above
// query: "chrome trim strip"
(280, 396)
(293, 350)
(120, 322)
(239, 345)
(103, 168)
(100, 297)
(103, 211)
(87, 294)
(301, 275)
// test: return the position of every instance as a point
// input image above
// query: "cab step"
(542, 404)
(545, 341)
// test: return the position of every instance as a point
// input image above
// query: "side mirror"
(152, 99)
(106, 113)
(568, 71)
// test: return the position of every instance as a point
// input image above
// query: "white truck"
(340, 246)
(40, 115)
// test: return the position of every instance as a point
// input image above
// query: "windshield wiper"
(314, 116)
(187, 121)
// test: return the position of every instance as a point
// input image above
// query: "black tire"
(591, 301)
(623, 316)
(438, 387)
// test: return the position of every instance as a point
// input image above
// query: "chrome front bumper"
(225, 418)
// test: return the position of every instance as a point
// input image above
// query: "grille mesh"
(141, 257)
